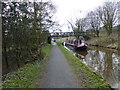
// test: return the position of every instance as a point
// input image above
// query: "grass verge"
(24, 77)
(103, 40)
(85, 75)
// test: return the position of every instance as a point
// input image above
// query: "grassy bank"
(26, 75)
(111, 41)
(86, 77)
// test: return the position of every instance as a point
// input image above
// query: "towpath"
(59, 73)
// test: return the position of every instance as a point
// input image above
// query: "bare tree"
(118, 13)
(78, 26)
(95, 22)
(108, 15)
(71, 24)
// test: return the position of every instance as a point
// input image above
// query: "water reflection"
(81, 54)
(102, 61)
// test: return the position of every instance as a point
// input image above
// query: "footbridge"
(69, 34)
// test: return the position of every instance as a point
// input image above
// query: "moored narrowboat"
(76, 43)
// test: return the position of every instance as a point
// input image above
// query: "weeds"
(25, 76)
(105, 41)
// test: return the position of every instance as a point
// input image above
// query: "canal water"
(103, 61)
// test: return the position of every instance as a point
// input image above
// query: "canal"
(103, 61)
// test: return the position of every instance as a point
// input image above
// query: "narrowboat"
(76, 43)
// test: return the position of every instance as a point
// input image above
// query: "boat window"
(72, 41)
(80, 42)
(75, 42)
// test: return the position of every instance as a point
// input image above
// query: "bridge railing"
(67, 34)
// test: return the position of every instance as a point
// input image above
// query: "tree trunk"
(97, 33)
(5, 55)
(108, 29)
(17, 59)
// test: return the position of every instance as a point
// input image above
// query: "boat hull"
(81, 48)
(75, 47)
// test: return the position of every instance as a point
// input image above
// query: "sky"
(72, 9)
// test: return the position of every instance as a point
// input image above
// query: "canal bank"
(106, 55)
(103, 61)
(105, 41)
(87, 77)
(28, 76)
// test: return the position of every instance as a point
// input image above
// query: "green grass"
(87, 78)
(106, 41)
(26, 75)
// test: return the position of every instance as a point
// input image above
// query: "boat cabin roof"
(73, 39)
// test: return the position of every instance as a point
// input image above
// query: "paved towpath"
(59, 73)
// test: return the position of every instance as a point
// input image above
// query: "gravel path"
(59, 74)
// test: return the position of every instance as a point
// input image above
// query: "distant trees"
(78, 26)
(94, 21)
(103, 16)
(25, 28)
(108, 15)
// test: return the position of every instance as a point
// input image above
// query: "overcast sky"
(71, 9)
